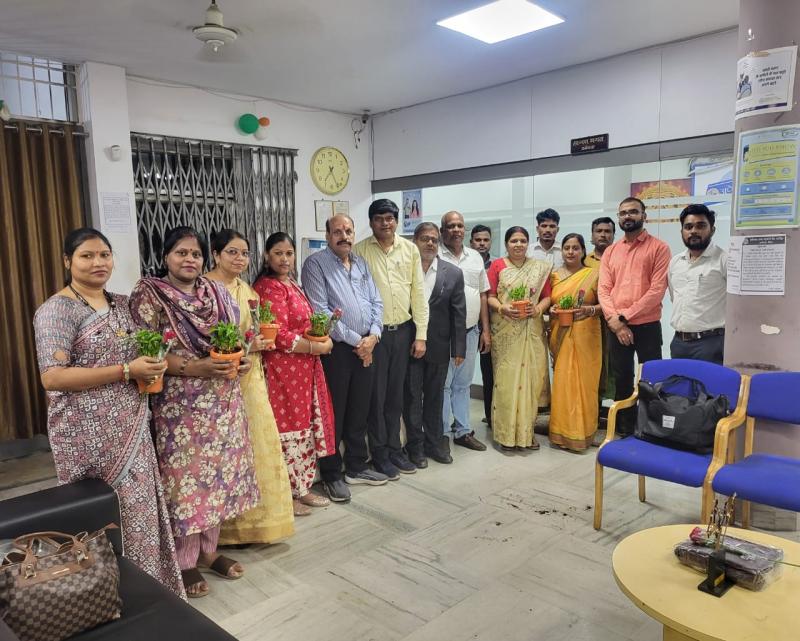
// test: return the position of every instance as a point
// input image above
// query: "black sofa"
(150, 612)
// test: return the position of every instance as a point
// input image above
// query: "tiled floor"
(494, 547)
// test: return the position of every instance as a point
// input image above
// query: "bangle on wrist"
(311, 347)
(126, 372)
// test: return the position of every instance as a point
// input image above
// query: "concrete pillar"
(773, 23)
(103, 107)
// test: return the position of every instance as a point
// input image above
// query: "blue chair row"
(656, 461)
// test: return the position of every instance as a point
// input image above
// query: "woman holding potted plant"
(272, 519)
(201, 428)
(297, 386)
(576, 348)
(88, 366)
(518, 353)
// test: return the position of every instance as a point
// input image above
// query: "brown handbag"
(53, 590)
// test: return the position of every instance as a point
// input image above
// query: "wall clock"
(329, 170)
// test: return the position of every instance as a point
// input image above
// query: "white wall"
(156, 108)
(674, 91)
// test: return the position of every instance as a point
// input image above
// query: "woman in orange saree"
(576, 350)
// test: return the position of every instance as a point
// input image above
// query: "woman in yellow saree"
(576, 350)
(273, 518)
(518, 354)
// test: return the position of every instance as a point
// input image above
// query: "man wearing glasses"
(633, 279)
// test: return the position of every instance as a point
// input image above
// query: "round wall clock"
(329, 170)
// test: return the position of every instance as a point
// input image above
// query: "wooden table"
(648, 572)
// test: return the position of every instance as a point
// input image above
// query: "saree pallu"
(103, 432)
(519, 359)
(273, 518)
(202, 440)
(578, 358)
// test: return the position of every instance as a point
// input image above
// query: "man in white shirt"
(476, 288)
(697, 287)
(546, 248)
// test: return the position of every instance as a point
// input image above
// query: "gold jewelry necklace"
(112, 307)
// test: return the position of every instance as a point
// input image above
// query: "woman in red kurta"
(295, 379)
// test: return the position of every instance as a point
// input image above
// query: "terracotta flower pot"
(522, 306)
(153, 388)
(269, 331)
(316, 339)
(234, 357)
(565, 317)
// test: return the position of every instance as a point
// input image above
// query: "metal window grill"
(40, 88)
(210, 186)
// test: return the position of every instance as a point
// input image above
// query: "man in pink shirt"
(633, 279)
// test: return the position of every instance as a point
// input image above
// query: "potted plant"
(520, 299)
(321, 325)
(264, 319)
(566, 310)
(154, 345)
(227, 341)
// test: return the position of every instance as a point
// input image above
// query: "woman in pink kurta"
(295, 378)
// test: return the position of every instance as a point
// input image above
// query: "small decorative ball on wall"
(248, 123)
(263, 121)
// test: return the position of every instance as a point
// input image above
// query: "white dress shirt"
(475, 279)
(552, 255)
(698, 290)
(429, 280)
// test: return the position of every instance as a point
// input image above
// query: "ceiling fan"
(215, 35)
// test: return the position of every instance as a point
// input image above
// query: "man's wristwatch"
(622, 319)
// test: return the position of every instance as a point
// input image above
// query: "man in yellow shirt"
(396, 268)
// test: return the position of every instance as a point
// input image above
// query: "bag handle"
(699, 391)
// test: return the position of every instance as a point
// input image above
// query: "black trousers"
(350, 385)
(422, 406)
(708, 348)
(390, 359)
(647, 347)
(488, 384)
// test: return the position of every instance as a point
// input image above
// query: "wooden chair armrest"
(726, 426)
(612, 414)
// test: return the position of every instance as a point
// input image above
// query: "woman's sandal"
(314, 500)
(191, 578)
(222, 566)
(533, 446)
(300, 509)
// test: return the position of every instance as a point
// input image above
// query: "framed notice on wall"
(324, 209)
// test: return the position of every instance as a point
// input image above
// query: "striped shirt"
(330, 285)
(398, 275)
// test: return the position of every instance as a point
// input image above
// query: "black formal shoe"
(420, 461)
(470, 442)
(441, 457)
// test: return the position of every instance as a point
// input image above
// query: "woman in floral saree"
(577, 351)
(518, 356)
(202, 440)
(97, 421)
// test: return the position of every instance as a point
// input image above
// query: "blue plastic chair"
(656, 461)
(764, 478)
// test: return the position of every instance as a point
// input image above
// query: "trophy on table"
(716, 583)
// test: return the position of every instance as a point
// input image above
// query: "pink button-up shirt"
(633, 279)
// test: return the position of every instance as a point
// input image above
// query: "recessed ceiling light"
(501, 20)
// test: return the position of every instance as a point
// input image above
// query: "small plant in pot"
(264, 319)
(566, 310)
(321, 325)
(520, 299)
(153, 345)
(227, 341)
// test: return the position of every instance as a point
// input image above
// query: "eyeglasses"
(433, 240)
(630, 213)
(235, 253)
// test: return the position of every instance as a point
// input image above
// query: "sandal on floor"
(193, 577)
(507, 448)
(222, 566)
(314, 500)
(300, 509)
(533, 446)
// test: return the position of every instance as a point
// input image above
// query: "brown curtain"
(40, 201)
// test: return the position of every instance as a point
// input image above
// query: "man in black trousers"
(481, 241)
(447, 336)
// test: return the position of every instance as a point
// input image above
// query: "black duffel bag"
(685, 421)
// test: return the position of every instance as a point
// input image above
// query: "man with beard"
(633, 279)
(603, 230)
(395, 264)
(337, 279)
(447, 338)
(546, 248)
(476, 288)
(697, 287)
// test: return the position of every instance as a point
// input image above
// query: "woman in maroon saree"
(202, 440)
(97, 421)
